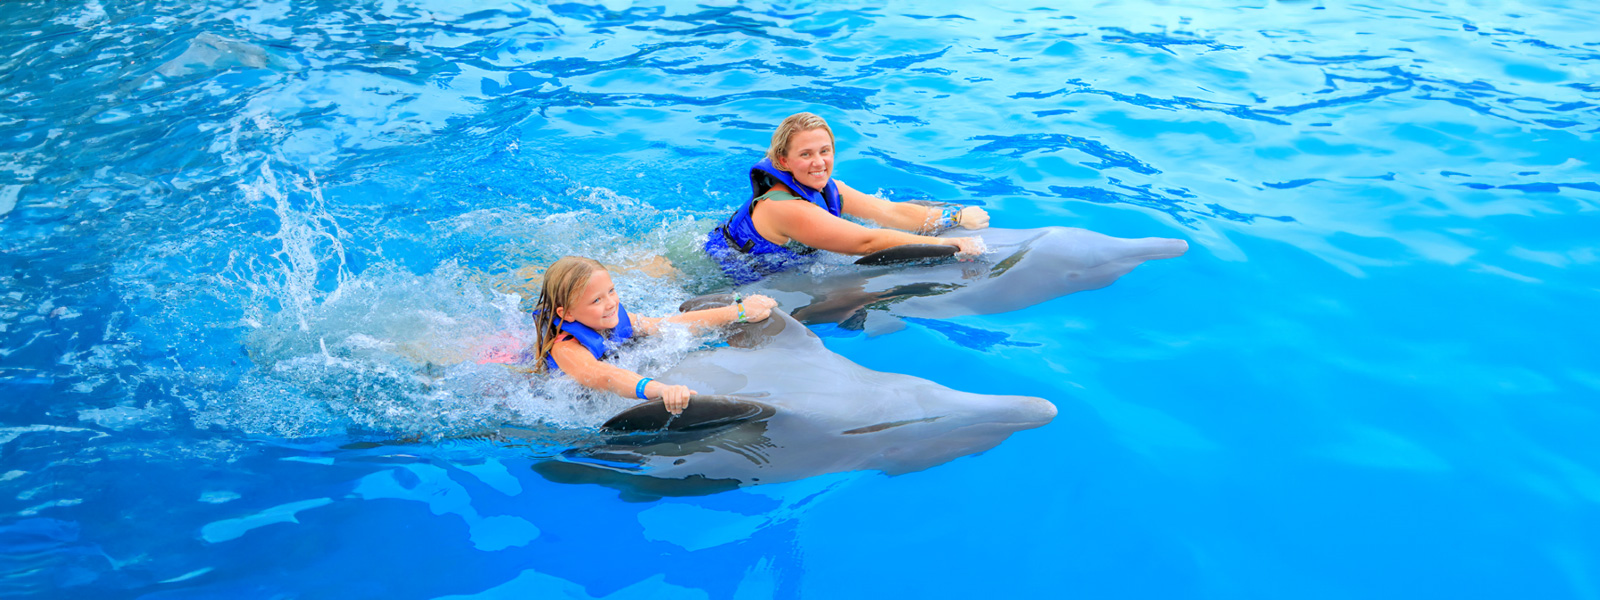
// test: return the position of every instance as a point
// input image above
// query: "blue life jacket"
(738, 234)
(598, 345)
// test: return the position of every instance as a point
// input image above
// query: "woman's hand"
(973, 217)
(966, 246)
(757, 308)
(676, 397)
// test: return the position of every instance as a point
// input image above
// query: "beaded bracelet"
(949, 218)
(638, 390)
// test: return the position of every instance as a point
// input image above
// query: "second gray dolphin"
(1021, 268)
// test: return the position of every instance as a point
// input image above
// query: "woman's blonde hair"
(563, 281)
(796, 123)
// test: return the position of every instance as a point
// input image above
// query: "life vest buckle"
(742, 248)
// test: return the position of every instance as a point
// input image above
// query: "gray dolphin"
(828, 415)
(1022, 267)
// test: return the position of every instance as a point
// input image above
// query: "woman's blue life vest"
(599, 345)
(743, 254)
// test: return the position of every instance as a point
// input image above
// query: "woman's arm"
(578, 363)
(904, 215)
(811, 225)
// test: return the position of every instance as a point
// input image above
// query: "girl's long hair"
(563, 281)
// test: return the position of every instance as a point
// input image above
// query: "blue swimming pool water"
(238, 237)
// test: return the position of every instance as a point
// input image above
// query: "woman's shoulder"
(784, 201)
(778, 192)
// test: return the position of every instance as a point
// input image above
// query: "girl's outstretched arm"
(578, 363)
(755, 308)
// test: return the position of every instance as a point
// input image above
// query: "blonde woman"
(796, 207)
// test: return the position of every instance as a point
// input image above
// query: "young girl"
(580, 321)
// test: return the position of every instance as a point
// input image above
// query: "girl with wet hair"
(581, 321)
(797, 207)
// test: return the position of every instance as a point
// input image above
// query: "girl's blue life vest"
(740, 231)
(598, 345)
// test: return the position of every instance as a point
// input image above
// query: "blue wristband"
(638, 390)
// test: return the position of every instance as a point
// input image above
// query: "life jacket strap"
(742, 248)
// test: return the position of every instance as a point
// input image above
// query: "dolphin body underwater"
(799, 410)
(1021, 268)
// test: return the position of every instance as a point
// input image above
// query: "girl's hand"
(757, 308)
(676, 397)
(973, 217)
(966, 246)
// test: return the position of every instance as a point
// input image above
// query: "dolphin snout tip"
(1039, 411)
(1047, 413)
(1175, 248)
(1156, 248)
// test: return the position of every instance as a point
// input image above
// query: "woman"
(796, 207)
(580, 321)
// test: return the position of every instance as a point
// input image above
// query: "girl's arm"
(756, 308)
(903, 215)
(578, 363)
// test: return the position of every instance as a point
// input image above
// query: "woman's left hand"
(973, 217)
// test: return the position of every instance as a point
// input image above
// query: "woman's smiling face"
(595, 305)
(810, 158)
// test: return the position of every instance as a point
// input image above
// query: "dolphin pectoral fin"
(907, 253)
(703, 412)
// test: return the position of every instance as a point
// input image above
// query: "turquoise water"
(244, 247)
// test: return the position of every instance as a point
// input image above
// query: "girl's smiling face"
(810, 158)
(595, 305)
